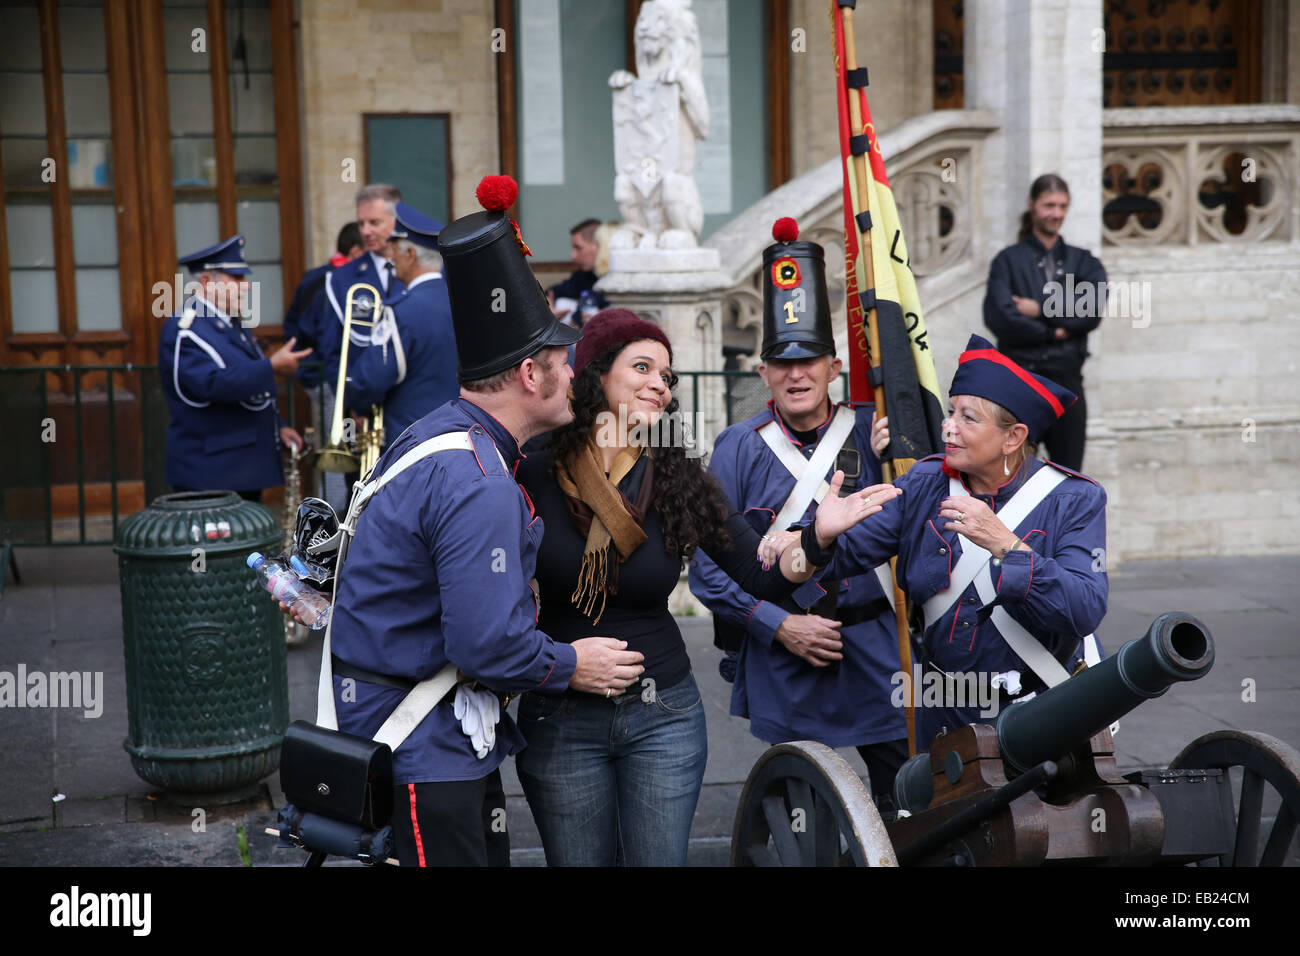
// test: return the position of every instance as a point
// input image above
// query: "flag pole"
(870, 319)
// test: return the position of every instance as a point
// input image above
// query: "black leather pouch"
(337, 775)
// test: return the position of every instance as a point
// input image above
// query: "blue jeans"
(614, 780)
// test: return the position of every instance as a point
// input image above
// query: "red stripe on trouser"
(415, 825)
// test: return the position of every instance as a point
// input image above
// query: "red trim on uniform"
(971, 647)
(954, 621)
(552, 670)
(946, 545)
(532, 512)
(997, 358)
(415, 826)
(751, 613)
(474, 448)
(1071, 472)
(1031, 572)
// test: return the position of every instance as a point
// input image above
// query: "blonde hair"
(1004, 419)
(604, 232)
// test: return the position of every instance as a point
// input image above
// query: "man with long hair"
(1043, 299)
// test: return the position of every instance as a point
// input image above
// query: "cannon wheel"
(804, 806)
(1263, 760)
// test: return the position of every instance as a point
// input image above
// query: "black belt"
(344, 669)
(849, 616)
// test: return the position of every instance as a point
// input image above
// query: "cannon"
(1040, 786)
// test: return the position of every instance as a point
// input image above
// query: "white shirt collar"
(423, 278)
(382, 265)
(213, 310)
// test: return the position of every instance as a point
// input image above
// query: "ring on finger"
(609, 692)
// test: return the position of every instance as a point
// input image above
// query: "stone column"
(1038, 64)
(680, 290)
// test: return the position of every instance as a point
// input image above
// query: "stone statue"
(658, 116)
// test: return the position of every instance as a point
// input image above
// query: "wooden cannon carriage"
(1040, 786)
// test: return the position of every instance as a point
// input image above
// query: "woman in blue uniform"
(619, 778)
(1004, 553)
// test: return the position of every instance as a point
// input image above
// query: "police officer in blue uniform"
(818, 666)
(438, 571)
(1004, 553)
(410, 368)
(225, 429)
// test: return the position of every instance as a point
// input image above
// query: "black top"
(579, 281)
(1056, 279)
(638, 613)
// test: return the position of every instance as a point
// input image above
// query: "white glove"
(478, 712)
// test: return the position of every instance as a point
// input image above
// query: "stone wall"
(895, 42)
(362, 56)
(1194, 421)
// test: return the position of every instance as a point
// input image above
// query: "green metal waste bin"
(206, 679)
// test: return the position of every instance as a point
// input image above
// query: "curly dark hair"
(690, 502)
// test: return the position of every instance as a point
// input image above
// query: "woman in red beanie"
(617, 779)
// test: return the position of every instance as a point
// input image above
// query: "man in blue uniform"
(348, 246)
(823, 675)
(322, 323)
(225, 429)
(438, 570)
(1004, 553)
(410, 366)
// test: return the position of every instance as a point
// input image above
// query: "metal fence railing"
(85, 445)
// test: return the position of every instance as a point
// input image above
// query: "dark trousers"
(883, 760)
(1064, 439)
(246, 495)
(452, 823)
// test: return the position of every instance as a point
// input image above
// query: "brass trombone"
(335, 455)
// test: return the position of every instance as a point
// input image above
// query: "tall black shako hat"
(499, 311)
(796, 309)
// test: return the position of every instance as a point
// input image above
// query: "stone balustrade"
(1193, 174)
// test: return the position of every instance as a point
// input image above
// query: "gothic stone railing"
(933, 163)
(1189, 175)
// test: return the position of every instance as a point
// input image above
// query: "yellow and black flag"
(888, 352)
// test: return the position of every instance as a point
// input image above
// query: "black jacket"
(1056, 279)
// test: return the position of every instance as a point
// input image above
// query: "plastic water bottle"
(285, 587)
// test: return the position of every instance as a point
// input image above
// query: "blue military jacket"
(784, 697)
(224, 428)
(439, 571)
(321, 324)
(1057, 590)
(411, 368)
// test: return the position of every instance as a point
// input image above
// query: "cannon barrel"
(1177, 647)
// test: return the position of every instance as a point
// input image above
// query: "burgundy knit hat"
(614, 327)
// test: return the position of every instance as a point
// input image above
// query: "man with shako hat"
(819, 665)
(410, 366)
(1003, 553)
(438, 570)
(225, 429)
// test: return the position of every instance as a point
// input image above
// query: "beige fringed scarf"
(598, 507)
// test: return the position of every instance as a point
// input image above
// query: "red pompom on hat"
(612, 328)
(497, 193)
(785, 229)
